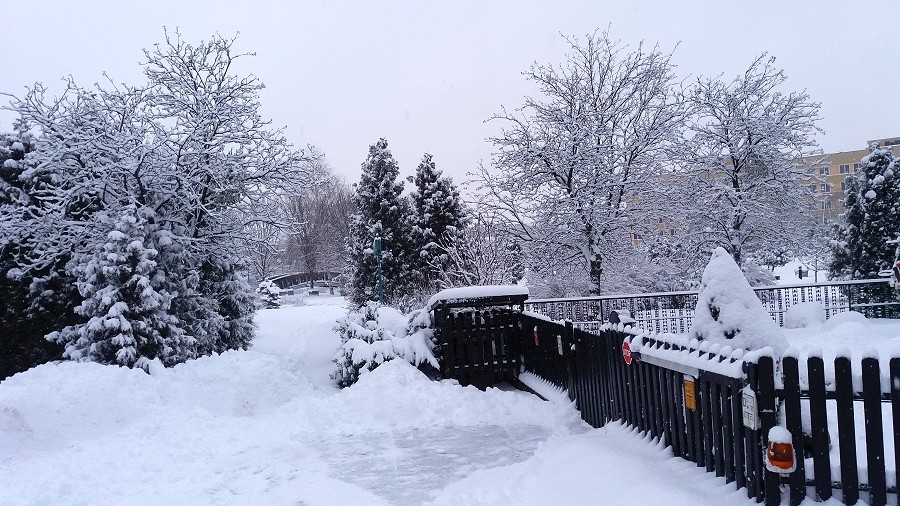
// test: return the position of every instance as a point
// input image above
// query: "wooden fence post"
(767, 419)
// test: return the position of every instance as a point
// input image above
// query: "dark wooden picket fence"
(674, 311)
(692, 397)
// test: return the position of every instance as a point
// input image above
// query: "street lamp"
(378, 260)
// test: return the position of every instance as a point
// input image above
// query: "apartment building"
(832, 171)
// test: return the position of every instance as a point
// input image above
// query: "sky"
(428, 75)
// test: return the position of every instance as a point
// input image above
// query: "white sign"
(748, 410)
(559, 344)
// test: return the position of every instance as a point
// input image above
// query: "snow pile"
(729, 312)
(375, 334)
(804, 314)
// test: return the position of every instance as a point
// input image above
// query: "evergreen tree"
(872, 212)
(126, 301)
(439, 218)
(40, 301)
(382, 212)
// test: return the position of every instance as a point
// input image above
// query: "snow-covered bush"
(375, 334)
(269, 294)
(729, 312)
(803, 315)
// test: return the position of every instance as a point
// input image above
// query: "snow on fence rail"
(673, 312)
(712, 405)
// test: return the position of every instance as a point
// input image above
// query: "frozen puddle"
(412, 467)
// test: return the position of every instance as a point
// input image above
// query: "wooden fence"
(674, 311)
(712, 405)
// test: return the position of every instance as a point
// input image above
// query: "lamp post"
(378, 260)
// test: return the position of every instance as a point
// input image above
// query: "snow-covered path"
(266, 426)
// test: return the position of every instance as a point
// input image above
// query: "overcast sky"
(426, 75)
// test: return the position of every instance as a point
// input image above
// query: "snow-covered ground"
(267, 426)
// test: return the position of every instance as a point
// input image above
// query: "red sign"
(626, 353)
(537, 340)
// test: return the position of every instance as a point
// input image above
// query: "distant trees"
(581, 164)
(140, 197)
(740, 158)
(318, 224)
(871, 219)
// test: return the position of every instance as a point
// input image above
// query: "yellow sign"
(690, 394)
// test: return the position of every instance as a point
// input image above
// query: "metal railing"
(673, 312)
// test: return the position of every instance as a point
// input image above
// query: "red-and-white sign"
(626, 353)
(537, 337)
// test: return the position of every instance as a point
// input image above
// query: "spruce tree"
(439, 219)
(872, 211)
(126, 300)
(382, 212)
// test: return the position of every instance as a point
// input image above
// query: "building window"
(635, 237)
(672, 231)
(813, 188)
(823, 171)
(826, 204)
(843, 186)
(845, 168)
(825, 187)
(856, 167)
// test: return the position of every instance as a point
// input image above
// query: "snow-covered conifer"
(729, 312)
(269, 294)
(871, 217)
(382, 212)
(126, 301)
(440, 217)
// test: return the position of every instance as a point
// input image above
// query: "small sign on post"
(537, 337)
(749, 412)
(559, 344)
(690, 393)
(626, 353)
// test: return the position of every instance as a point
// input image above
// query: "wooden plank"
(871, 378)
(818, 414)
(753, 444)
(843, 377)
(737, 423)
(766, 402)
(715, 402)
(728, 430)
(793, 420)
(704, 389)
(895, 411)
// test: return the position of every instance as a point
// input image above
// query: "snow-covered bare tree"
(740, 159)
(319, 220)
(483, 253)
(579, 165)
(187, 153)
(871, 219)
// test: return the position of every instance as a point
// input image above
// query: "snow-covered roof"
(468, 293)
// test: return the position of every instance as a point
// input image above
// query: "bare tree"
(578, 166)
(484, 253)
(741, 160)
(319, 221)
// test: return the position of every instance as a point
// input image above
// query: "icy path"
(266, 426)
